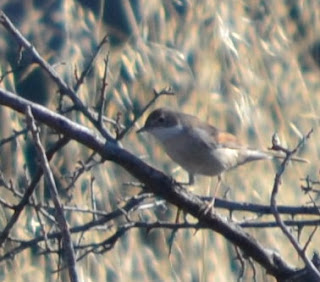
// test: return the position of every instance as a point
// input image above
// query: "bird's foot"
(208, 207)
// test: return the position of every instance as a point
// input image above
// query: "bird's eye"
(161, 119)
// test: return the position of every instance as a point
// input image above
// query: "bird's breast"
(194, 155)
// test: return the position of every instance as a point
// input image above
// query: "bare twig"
(261, 209)
(13, 136)
(241, 260)
(254, 271)
(85, 72)
(23, 245)
(310, 237)
(69, 254)
(274, 224)
(6, 204)
(307, 190)
(62, 85)
(29, 191)
(117, 125)
(308, 187)
(93, 198)
(273, 204)
(6, 73)
(84, 166)
(103, 91)
(42, 226)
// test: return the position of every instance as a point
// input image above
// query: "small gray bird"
(199, 147)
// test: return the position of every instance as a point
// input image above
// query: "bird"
(198, 147)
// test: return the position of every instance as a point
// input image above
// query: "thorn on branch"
(14, 136)
(309, 186)
(276, 144)
(117, 125)
(6, 73)
(76, 75)
(103, 91)
(80, 79)
(165, 91)
(20, 54)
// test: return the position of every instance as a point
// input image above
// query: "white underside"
(199, 157)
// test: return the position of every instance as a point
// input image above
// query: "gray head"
(161, 118)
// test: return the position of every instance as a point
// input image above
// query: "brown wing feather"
(217, 137)
(229, 140)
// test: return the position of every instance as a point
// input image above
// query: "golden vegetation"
(244, 66)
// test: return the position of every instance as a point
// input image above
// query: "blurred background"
(249, 67)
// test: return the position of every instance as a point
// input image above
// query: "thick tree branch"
(155, 181)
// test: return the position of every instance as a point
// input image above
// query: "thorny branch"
(29, 191)
(154, 181)
(103, 92)
(67, 244)
(273, 203)
(64, 88)
(13, 137)
(131, 205)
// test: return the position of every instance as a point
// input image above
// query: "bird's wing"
(226, 139)
(210, 135)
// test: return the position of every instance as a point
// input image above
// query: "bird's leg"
(210, 206)
(190, 182)
(191, 179)
(178, 215)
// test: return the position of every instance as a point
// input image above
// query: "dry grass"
(241, 65)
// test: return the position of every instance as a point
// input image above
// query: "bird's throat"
(165, 133)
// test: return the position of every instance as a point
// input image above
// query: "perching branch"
(154, 180)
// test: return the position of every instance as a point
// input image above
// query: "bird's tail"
(255, 155)
(294, 159)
